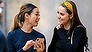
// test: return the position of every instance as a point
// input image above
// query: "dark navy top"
(62, 43)
(17, 39)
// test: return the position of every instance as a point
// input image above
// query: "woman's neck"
(27, 28)
(67, 26)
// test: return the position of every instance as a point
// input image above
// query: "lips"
(37, 20)
(61, 20)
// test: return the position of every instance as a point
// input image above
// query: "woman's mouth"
(37, 20)
(60, 21)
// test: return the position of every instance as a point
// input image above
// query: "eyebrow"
(37, 12)
(60, 12)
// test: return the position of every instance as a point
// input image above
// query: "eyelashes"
(57, 12)
(60, 13)
(37, 14)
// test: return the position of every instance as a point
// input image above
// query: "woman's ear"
(71, 16)
(26, 15)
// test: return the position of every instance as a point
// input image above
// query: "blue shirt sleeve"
(10, 42)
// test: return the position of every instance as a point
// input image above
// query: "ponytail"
(15, 24)
(19, 18)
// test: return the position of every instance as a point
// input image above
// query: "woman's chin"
(36, 25)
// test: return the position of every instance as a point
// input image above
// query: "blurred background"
(48, 16)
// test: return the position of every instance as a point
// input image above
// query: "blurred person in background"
(22, 37)
(3, 47)
(70, 34)
(1, 13)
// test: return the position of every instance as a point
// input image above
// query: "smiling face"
(63, 16)
(33, 18)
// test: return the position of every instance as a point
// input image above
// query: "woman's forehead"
(61, 9)
(36, 10)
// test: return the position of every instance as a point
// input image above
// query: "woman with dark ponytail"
(70, 34)
(22, 37)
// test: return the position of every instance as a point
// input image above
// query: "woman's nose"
(59, 16)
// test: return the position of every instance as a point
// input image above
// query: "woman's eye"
(37, 14)
(57, 12)
(62, 14)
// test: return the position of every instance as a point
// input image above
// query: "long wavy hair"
(20, 17)
(75, 21)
